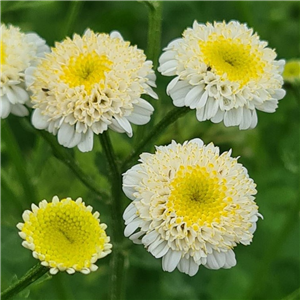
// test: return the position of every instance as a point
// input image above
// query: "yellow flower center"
(3, 55)
(197, 197)
(87, 70)
(66, 233)
(241, 62)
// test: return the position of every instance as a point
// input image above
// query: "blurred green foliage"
(269, 268)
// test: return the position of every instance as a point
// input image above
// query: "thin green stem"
(31, 276)
(118, 259)
(69, 161)
(157, 130)
(75, 7)
(154, 30)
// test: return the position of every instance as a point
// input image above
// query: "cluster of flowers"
(190, 204)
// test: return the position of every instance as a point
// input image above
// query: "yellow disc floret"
(242, 62)
(65, 235)
(197, 197)
(86, 69)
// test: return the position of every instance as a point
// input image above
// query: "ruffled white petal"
(87, 140)
(171, 260)
(5, 107)
(38, 120)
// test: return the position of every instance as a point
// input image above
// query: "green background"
(269, 267)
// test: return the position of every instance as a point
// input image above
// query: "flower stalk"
(157, 130)
(118, 259)
(31, 276)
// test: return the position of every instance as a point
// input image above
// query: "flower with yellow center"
(89, 84)
(19, 51)
(65, 235)
(224, 72)
(291, 71)
(191, 206)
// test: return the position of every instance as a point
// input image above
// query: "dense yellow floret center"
(241, 62)
(65, 233)
(197, 197)
(87, 70)
(3, 55)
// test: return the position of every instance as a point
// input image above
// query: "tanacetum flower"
(224, 72)
(191, 206)
(89, 84)
(65, 235)
(18, 52)
(291, 71)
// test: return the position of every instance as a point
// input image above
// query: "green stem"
(118, 259)
(31, 276)
(76, 6)
(154, 30)
(69, 161)
(157, 130)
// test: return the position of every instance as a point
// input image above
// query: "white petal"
(141, 113)
(188, 266)
(132, 227)
(279, 94)
(29, 78)
(179, 92)
(129, 212)
(168, 68)
(116, 35)
(65, 134)
(172, 84)
(246, 119)
(124, 123)
(136, 237)
(211, 108)
(20, 93)
(87, 140)
(75, 140)
(197, 141)
(4, 107)
(202, 100)
(38, 120)
(233, 117)
(149, 238)
(218, 117)
(200, 114)
(230, 259)
(160, 250)
(268, 106)
(171, 260)
(19, 110)
(212, 262)
(254, 119)
(193, 96)
(166, 56)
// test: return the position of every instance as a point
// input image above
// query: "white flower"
(65, 235)
(89, 84)
(224, 72)
(19, 51)
(191, 206)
